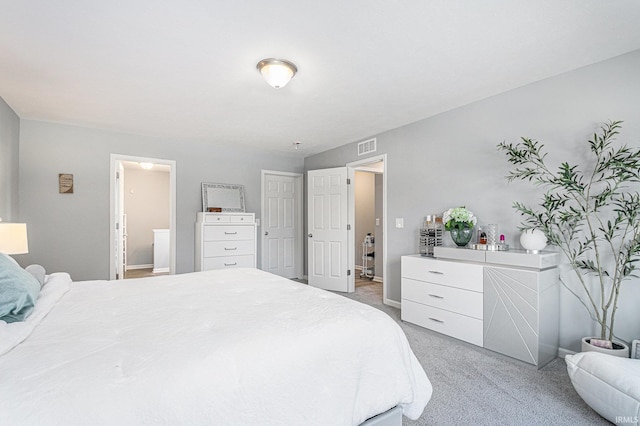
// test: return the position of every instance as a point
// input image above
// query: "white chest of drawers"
(443, 296)
(225, 240)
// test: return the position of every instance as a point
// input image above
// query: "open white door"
(328, 231)
(119, 225)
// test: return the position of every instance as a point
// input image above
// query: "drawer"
(228, 248)
(230, 232)
(445, 322)
(241, 218)
(466, 302)
(224, 262)
(456, 274)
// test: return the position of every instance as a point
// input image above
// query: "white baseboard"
(562, 352)
(160, 270)
(132, 267)
(392, 303)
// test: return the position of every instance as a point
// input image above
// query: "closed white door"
(280, 246)
(327, 229)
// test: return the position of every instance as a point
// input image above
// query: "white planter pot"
(622, 352)
(533, 240)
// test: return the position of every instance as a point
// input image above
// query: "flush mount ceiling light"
(146, 166)
(277, 72)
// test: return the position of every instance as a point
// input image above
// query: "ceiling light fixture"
(146, 166)
(297, 144)
(277, 72)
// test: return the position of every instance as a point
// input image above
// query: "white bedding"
(219, 347)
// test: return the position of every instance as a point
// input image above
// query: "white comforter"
(220, 347)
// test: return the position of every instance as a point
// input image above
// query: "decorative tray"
(489, 247)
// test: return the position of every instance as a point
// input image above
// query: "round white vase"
(533, 240)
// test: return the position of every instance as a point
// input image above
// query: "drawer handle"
(436, 320)
(230, 233)
(231, 248)
(436, 296)
(230, 264)
(436, 272)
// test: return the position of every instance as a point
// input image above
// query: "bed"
(225, 347)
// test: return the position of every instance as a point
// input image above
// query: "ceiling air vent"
(367, 146)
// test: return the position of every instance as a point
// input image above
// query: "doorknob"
(266, 233)
(310, 235)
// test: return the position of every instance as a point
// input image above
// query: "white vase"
(622, 351)
(533, 240)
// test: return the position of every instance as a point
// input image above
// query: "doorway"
(369, 192)
(367, 188)
(282, 240)
(143, 216)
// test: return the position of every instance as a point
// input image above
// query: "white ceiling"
(185, 70)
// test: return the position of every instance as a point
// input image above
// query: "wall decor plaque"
(65, 183)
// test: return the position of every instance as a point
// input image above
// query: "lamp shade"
(277, 72)
(13, 238)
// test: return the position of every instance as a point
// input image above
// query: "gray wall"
(70, 232)
(147, 205)
(451, 159)
(9, 143)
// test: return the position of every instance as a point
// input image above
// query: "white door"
(119, 225)
(280, 244)
(327, 229)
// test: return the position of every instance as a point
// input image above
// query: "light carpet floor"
(475, 386)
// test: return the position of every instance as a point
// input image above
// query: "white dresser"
(225, 240)
(504, 301)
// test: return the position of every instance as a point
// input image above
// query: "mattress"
(226, 347)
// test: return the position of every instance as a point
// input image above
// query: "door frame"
(299, 231)
(351, 169)
(114, 160)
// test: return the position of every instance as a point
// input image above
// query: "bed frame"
(391, 417)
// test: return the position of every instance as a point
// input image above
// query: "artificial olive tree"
(591, 212)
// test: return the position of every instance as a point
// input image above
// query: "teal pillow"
(18, 291)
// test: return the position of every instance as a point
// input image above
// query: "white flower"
(458, 217)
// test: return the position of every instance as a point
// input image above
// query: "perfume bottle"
(482, 236)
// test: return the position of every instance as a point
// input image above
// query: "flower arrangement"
(458, 218)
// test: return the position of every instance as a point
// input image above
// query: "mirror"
(222, 197)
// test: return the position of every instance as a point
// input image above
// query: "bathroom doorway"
(369, 207)
(142, 217)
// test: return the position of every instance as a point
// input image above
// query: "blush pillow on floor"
(609, 384)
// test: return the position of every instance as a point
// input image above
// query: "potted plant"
(459, 222)
(592, 214)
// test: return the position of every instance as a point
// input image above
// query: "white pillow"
(609, 384)
(38, 272)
